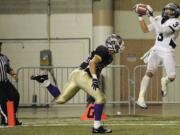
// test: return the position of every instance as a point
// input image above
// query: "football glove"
(149, 11)
(95, 83)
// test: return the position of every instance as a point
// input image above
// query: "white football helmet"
(115, 43)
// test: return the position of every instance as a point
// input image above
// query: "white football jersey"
(166, 33)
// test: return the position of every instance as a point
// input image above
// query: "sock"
(97, 124)
(98, 109)
(144, 85)
(55, 92)
(46, 83)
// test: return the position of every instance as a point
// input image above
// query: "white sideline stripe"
(130, 124)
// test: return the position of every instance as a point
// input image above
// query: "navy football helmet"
(115, 43)
(171, 10)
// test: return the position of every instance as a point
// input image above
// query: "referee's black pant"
(8, 92)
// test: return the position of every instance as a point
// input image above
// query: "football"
(140, 9)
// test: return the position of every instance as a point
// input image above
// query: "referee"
(7, 90)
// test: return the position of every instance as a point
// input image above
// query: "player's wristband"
(94, 76)
(140, 18)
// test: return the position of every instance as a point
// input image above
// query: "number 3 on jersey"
(175, 25)
(160, 36)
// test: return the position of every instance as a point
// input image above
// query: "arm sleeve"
(160, 29)
(9, 69)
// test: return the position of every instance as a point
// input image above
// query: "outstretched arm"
(143, 25)
(92, 66)
(140, 10)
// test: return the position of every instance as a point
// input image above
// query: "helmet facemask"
(115, 43)
(171, 10)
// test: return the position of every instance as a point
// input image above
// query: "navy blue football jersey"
(101, 51)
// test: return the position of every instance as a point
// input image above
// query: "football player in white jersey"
(166, 28)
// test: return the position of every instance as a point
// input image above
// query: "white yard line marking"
(130, 124)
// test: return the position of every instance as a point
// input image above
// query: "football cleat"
(39, 78)
(163, 87)
(142, 104)
(101, 130)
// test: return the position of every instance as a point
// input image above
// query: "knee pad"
(150, 74)
(172, 78)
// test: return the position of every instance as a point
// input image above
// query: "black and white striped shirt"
(4, 67)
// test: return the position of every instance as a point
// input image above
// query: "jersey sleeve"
(85, 63)
(160, 28)
(8, 68)
(151, 28)
(101, 51)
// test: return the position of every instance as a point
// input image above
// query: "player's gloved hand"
(149, 11)
(95, 83)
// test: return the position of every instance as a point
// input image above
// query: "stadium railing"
(120, 88)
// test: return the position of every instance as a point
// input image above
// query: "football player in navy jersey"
(86, 78)
(166, 28)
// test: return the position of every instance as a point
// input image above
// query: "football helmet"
(171, 10)
(115, 43)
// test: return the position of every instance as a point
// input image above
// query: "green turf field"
(123, 125)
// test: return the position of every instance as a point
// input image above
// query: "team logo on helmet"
(171, 10)
(115, 43)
